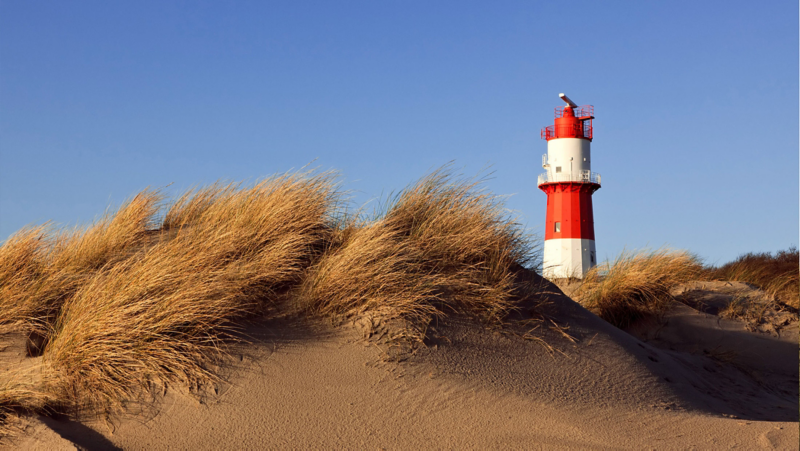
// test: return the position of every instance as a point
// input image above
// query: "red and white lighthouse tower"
(569, 183)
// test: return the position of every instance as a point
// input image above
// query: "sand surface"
(473, 386)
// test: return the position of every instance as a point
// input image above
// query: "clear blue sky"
(696, 104)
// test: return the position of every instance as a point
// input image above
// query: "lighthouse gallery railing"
(582, 176)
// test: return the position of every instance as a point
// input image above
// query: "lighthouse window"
(558, 168)
(558, 227)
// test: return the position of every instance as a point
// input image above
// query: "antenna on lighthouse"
(566, 99)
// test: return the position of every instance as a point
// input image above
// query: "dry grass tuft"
(747, 309)
(49, 268)
(163, 313)
(22, 391)
(636, 284)
(372, 270)
(19, 393)
(778, 275)
(442, 246)
(759, 312)
(22, 259)
(124, 304)
(465, 235)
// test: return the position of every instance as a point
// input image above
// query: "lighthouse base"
(568, 257)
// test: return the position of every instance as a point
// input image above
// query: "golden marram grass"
(443, 245)
(142, 297)
(154, 292)
(636, 284)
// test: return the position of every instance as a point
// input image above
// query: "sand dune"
(688, 380)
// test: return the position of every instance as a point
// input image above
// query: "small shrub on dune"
(466, 235)
(636, 284)
(778, 275)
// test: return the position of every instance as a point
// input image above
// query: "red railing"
(582, 129)
(581, 111)
(549, 132)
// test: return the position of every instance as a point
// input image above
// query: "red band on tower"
(570, 205)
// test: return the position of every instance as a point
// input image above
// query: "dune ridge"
(216, 310)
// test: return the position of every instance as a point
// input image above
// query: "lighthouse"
(569, 183)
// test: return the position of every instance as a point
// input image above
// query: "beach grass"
(443, 245)
(153, 293)
(466, 235)
(778, 274)
(636, 284)
(371, 270)
(41, 267)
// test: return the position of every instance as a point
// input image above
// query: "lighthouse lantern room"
(569, 183)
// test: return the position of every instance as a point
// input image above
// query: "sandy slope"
(301, 386)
